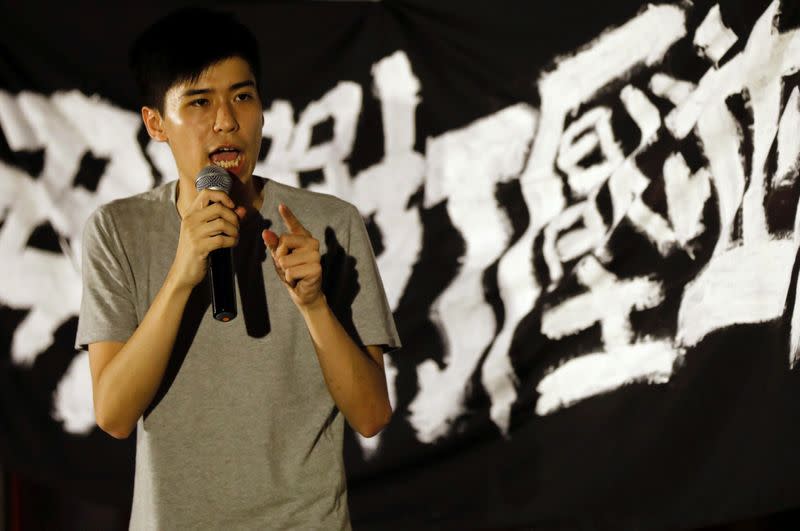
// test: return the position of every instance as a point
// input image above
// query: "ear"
(154, 123)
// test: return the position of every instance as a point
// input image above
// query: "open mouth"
(229, 158)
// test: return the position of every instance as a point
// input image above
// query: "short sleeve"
(108, 311)
(353, 286)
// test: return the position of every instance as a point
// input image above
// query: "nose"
(225, 120)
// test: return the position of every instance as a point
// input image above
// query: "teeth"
(227, 164)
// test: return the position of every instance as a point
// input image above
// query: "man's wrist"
(173, 287)
(316, 307)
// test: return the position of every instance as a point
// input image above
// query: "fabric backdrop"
(584, 213)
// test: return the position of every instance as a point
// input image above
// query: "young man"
(240, 424)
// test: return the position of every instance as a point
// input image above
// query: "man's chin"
(242, 179)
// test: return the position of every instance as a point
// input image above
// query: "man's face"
(216, 120)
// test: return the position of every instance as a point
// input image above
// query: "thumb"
(270, 239)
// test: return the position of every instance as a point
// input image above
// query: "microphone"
(220, 261)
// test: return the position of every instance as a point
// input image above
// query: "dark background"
(717, 444)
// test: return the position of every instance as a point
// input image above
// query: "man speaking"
(240, 423)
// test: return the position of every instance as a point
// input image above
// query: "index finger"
(208, 195)
(291, 221)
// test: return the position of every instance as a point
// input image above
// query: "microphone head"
(215, 178)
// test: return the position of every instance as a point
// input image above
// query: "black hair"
(182, 45)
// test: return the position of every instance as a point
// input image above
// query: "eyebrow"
(235, 86)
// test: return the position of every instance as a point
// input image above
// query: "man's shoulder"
(153, 198)
(320, 205)
(139, 208)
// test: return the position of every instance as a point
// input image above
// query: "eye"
(244, 96)
(200, 102)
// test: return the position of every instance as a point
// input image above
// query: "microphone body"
(220, 261)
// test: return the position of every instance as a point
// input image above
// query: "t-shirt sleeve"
(108, 312)
(353, 286)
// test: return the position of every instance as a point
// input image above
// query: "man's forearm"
(128, 383)
(356, 381)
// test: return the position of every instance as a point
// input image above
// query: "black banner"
(584, 214)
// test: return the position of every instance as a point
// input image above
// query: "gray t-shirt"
(243, 433)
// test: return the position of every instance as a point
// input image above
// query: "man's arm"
(126, 376)
(354, 376)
